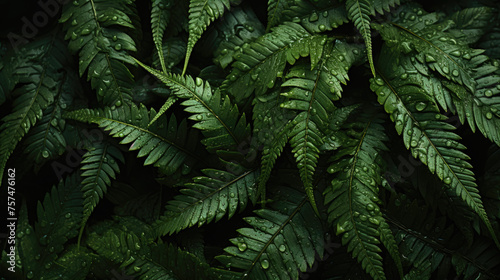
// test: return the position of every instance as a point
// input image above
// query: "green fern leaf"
(430, 139)
(39, 70)
(472, 23)
(46, 141)
(272, 124)
(283, 240)
(473, 78)
(94, 30)
(262, 61)
(482, 109)
(164, 142)
(74, 263)
(201, 14)
(208, 199)
(99, 166)
(160, 16)
(219, 120)
(58, 218)
(359, 12)
(142, 258)
(439, 50)
(312, 94)
(425, 237)
(353, 197)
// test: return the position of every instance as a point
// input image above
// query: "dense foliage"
(231, 139)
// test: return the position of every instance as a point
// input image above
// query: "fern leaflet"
(209, 197)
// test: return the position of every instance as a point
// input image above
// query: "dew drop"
(314, 17)
(455, 73)
(456, 53)
(242, 246)
(404, 76)
(370, 207)
(137, 269)
(199, 82)
(30, 275)
(282, 248)
(264, 264)
(488, 93)
(467, 56)
(74, 22)
(118, 47)
(67, 216)
(489, 115)
(379, 81)
(447, 180)
(429, 58)
(363, 218)
(420, 106)
(45, 154)
(85, 31)
(446, 70)
(322, 27)
(413, 143)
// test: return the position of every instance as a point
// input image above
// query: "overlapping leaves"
(282, 240)
(94, 28)
(353, 198)
(166, 143)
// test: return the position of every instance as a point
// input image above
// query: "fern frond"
(46, 141)
(220, 121)
(423, 237)
(472, 23)
(141, 258)
(39, 70)
(99, 166)
(359, 13)
(262, 61)
(272, 124)
(207, 199)
(201, 14)
(471, 75)
(58, 218)
(312, 94)
(165, 143)
(74, 263)
(353, 196)
(283, 240)
(160, 16)
(429, 138)
(94, 28)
